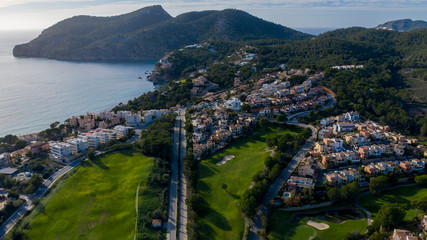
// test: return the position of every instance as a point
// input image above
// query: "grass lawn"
(224, 219)
(281, 228)
(401, 195)
(96, 202)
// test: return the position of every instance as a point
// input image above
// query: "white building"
(151, 115)
(103, 137)
(133, 119)
(78, 145)
(93, 141)
(121, 131)
(233, 103)
(123, 114)
(106, 115)
(60, 150)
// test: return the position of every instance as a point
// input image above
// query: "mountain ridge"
(402, 25)
(139, 36)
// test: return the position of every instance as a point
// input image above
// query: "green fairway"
(224, 219)
(282, 229)
(401, 195)
(97, 202)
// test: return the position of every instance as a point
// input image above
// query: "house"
(106, 115)
(156, 223)
(93, 141)
(133, 119)
(123, 114)
(424, 223)
(401, 234)
(5, 159)
(78, 145)
(371, 169)
(345, 176)
(333, 144)
(399, 149)
(344, 127)
(308, 168)
(352, 116)
(233, 103)
(364, 152)
(298, 183)
(407, 166)
(61, 150)
(121, 131)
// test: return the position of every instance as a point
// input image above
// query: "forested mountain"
(148, 33)
(403, 25)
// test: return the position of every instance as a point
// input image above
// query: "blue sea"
(315, 31)
(37, 92)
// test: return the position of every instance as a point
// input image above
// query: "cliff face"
(403, 25)
(148, 33)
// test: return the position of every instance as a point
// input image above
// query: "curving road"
(278, 183)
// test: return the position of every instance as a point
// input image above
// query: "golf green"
(97, 202)
(222, 186)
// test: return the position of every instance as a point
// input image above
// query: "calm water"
(315, 31)
(36, 92)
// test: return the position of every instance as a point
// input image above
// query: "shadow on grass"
(235, 196)
(218, 220)
(97, 161)
(206, 171)
(202, 186)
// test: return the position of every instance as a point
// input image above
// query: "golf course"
(223, 185)
(283, 228)
(96, 202)
(403, 195)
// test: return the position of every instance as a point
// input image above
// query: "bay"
(37, 92)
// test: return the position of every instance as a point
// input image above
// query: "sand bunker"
(225, 159)
(320, 226)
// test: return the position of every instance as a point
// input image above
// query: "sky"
(40, 14)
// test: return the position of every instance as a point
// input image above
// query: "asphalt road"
(275, 187)
(182, 197)
(171, 229)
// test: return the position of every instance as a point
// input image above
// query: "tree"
(91, 155)
(378, 184)
(333, 194)
(355, 235)
(281, 118)
(350, 191)
(10, 139)
(421, 204)
(13, 194)
(422, 179)
(246, 107)
(198, 204)
(390, 215)
(263, 122)
(271, 142)
(224, 186)
(29, 154)
(20, 144)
